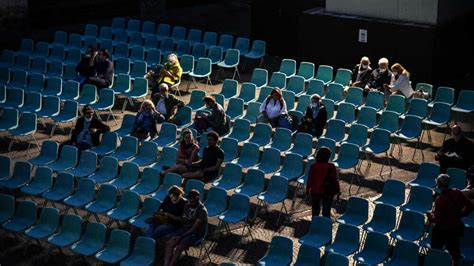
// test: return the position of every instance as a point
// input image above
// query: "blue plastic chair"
(194, 184)
(279, 253)
(35, 83)
(215, 54)
(440, 115)
(270, 161)
(69, 233)
(348, 158)
(354, 96)
(458, 178)
(289, 98)
(90, 30)
(376, 249)
(396, 103)
(153, 58)
(19, 79)
(126, 127)
(420, 200)
(261, 135)
(379, 143)
(24, 217)
(22, 63)
(126, 208)
(163, 30)
(139, 90)
(357, 135)
(367, 116)
(74, 42)
(5, 162)
(346, 241)
(253, 109)
(87, 165)
(83, 195)
(178, 33)
(393, 193)
(288, 67)
(296, 84)
(92, 241)
(356, 212)
(196, 102)
(122, 64)
(276, 193)
(147, 154)
(169, 180)
(375, 99)
(20, 177)
(306, 70)
(253, 183)
(70, 73)
(55, 69)
(383, 219)
(216, 201)
(235, 108)
(167, 158)
(436, 257)
(107, 171)
(143, 252)
(443, 95)
(50, 107)
(325, 73)
(230, 148)
(343, 76)
(335, 129)
(328, 143)
(26, 46)
(238, 211)
(47, 224)
(410, 228)
(9, 119)
(292, 167)
(67, 159)
(150, 207)
(203, 70)
(335, 92)
(257, 51)
(248, 92)
(42, 182)
(88, 95)
(249, 155)
(242, 44)
(7, 58)
(231, 177)
(426, 175)
(418, 107)
(335, 259)
(259, 77)
(73, 56)
(320, 233)
(411, 129)
(57, 54)
(149, 182)
(128, 176)
(229, 88)
(405, 253)
(167, 135)
(329, 104)
(27, 127)
(148, 28)
(38, 66)
(241, 130)
(128, 149)
(226, 41)
(104, 201)
(63, 187)
(231, 60)
(67, 114)
(346, 112)
(389, 120)
(315, 86)
(107, 145)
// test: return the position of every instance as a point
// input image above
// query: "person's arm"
(468, 207)
(263, 105)
(216, 118)
(176, 72)
(100, 126)
(176, 101)
(194, 155)
(214, 167)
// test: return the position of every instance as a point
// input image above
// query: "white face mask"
(88, 119)
(364, 66)
(382, 70)
(314, 105)
(395, 73)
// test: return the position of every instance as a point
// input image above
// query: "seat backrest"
(426, 88)
(226, 41)
(288, 66)
(329, 104)
(343, 76)
(210, 38)
(428, 171)
(242, 44)
(347, 233)
(335, 259)
(444, 95)
(296, 84)
(375, 99)
(324, 73)
(178, 33)
(328, 143)
(389, 120)
(278, 79)
(109, 165)
(396, 103)
(278, 185)
(418, 107)
(240, 203)
(163, 30)
(259, 77)
(367, 116)
(281, 247)
(358, 134)
(354, 96)
(306, 70)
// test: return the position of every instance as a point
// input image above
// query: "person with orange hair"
(400, 83)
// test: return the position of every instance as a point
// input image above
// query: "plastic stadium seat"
(325, 73)
(126, 127)
(242, 44)
(151, 42)
(5, 162)
(411, 226)
(74, 42)
(27, 127)
(108, 144)
(279, 253)
(153, 58)
(42, 182)
(396, 103)
(292, 167)
(231, 60)
(264, 93)
(167, 136)
(104, 201)
(69, 233)
(70, 73)
(367, 116)
(226, 41)
(135, 40)
(9, 119)
(231, 177)
(215, 54)
(216, 201)
(259, 77)
(128, 176)
(229, 88)
(47, 224)
(73, 56)
(308, 255)
(178, 33)
(128, 149)
(240, 130)
(465, 103)
(253, 109)
(143, 252)
(253, 183)
(194, 184)
(210, 39)
(196, 102)
(261, 135)
(257, 51)
(281, 140)
(35, 83)
(148, 28)
(411, 129)
(92, 241)
(437, 258)
(343, 76)
(19, 79)
(335, 259)
(50, 107)
(122, 65)
(440, 115)
(379, 143)
(139, 90)
(276, 193)
(88, 42)
(288, 67)
(150, 206)
(202, 70)
(393, 193)
(289, 98)
(24, 217)
(383, 219)
(348, 157)
(63, 187)
(320, 233)
(22, 63)
(7, 58)
(278, 79)
(88, 95)
(356, 212)
(270, 161)
(219, 98)
(4, 79)
(375, 99)
(443, 95)
(90, 30)
(182, 48)
(235, 108)
(335, 129)
(87, 165)
(346, 241)
(163, 30)
(354, 96)
(306, 70)
(149, 182)
(329, 104)
(20, 177)
(248, 92)
(417, 107)
(147, 154)
(296, 84)
(426, 175)
(57, 53)
(376, 249)
(38, 66)
(426, 88)
(230, 148)
(357, 135)
(389, 120)
(458, 178)
(335, 92)
(167, 158)
(126, 208)
(66, 160)
(169, 180)
(67, 114)
(26, 46)
(55, 70)
(238, 211)
(248, 155)
(405, 253)
(83, 195)
(107, 171)
(420, 200)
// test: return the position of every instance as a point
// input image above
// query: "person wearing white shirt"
(272, 108)
(400, 83)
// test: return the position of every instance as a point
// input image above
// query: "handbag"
(285, 121)
(330, 185)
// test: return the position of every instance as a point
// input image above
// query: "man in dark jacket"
(166, 103)
(103, 70)
(315, 117)
(456, 151)
(380, 76)
(84, 66)
(86, 133)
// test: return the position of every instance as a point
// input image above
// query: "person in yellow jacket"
(169, 74)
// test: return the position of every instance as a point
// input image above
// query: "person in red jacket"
(322, 183)
(449, 208)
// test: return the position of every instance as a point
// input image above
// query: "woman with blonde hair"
(170, 73)
(145, 121)
(272, 108)
(400, 83)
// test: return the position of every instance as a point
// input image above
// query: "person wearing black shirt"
(194, 222)
(380, 76)
(83, 67)
(170, 213)
(361, 73)
(455, 152)
(102, 69)
(315, 117)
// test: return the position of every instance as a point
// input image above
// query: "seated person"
(166, 103)
(86, 133)
(167, 219)
(208, 167)
(145, 121)
(169, 74)
(456, 152)
(84, 66)
(102, 69)
(194, 228)
(361, 73)
(315, 117)
(187, 152)
(215, 121)
(400, 83)
(380, 76)
(469, 189)
(272, 108)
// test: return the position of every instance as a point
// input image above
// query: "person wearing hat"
(86, 133)
(449, 208)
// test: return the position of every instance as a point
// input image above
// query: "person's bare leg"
(177, 168)
(177, 253)
(193, 175)
(170, 244)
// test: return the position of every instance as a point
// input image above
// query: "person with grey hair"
(361, 73)
(456, 152)
(315, 117)
(166, 103)
(380, 76)
(449, 208)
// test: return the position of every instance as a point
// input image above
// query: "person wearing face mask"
(86, 132)
(102, 68)
(361, 73)
(215, 120)
(380, 76)
(167, 219)
(169, 74)
(166, 103)
(400, 82)
(456, 152)
(272, 108)
(315, 117)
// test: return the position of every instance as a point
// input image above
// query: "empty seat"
(346, 241)
(410, 227)
(63, 187)
(393, 193)
(279, 253)
(92, 241)
(320, 233)
(231, 177)
(383, 219)
(356, 212)
(270, 161)
(107, 171)
(128, 176)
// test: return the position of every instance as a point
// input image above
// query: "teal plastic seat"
(107, 171)
(296, 84)
(196, 101)
(170, 179)
(122, 64)
(306, 70)
(410, 228)
(139, 90)
(203, 69)
(393, 193)
(107, 145)
(261, 135)
(70, 73)
(367, 116)
(229, 88)
(128, 176)
(216, 201)
(437, 257)
(117, 247)
(143, 252)
(248, 92)
(148, 28)
(27, 127)
(343, 76)
(22, 64)
(167, 135)
(153, 58)
(348, 156)
(383, 219)
(357, 135)
(389, 121)
(163, 30)
(151, 42)
(87, 165)
(74, 41)
(5, 162)
(199, 50)
(278, 79)
(420, 200)
(259, 77)
(235, 108)
(182, 48)
(105, 200)
(253, 109)
(126, 127)
(38, 66)
(325, 73)
(379, 143)
(167, 158)
(354, 96)
(57, 53)
(127, 207)
(63, 187)
(375, 99)
(26, 46)
(149, 182)
(90, 30)
(50, 107)
(147, 154)
(376, 249)
(242, 44)
(281, 140)
(335, 259)
(241, 130)
(276, 192)
(215, 54)
(122, 84)
(304, 102)
(9, 119)
(194, 184)
(396, 103)
(279, 253)
(346, 241)
(426, 88)
(47, 224)
(128, 149)
(55, 69)
(288, 67)
(226, 41)
(231, 177)
(289, 99)
(69, 233)
(67, 159)
(184, 114)
(411, 129)
(257, 51)
(73, 56)
(405, 253)
(292, 166)
(105, 103)
(253, 183)
(335, 129)
(7, 59)
(20, 177)
(231, 60)
(136, 41)
(335, 92)
(270, 161)
(249, 155)
(150, 207)
(440, 115)
(443, 95)
(42, 182)
(303, 145)
(67, 114)
(230, 148)
(418, 107)
(426, 175)
(14, 99)
(264, 93)
(24, 217)
(178, 33)
(320, 233)
(238, 211)
(92, 241)
(356, 212)
(315, 86)
(219, 98)
(88, 95)
(4, 77)
(83, 195)
(139, 66)
(329, 104)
